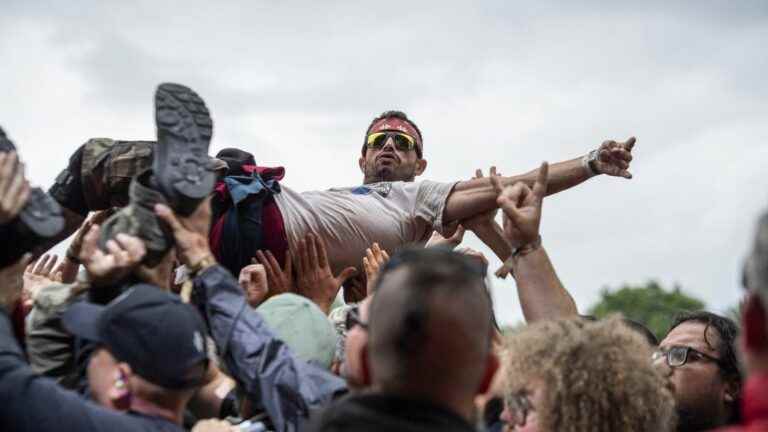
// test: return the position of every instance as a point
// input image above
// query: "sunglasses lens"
(403, 142)
(376, 140)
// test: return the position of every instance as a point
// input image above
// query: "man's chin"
(690, 421)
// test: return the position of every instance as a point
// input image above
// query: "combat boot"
(38, 222)
(138, 219)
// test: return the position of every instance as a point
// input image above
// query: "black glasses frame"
(685, 351)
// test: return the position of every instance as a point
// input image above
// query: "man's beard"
(374, 175)
(690, 421)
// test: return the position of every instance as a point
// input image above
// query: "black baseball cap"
(235, 159)
(159, 336)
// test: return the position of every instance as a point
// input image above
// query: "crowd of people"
(201, 293)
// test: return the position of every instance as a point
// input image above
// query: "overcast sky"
(488, 82)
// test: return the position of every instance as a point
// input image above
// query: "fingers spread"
(51, 261)
(631, 143)
(497, 186)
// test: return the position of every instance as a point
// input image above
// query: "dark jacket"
(277, 382)
(378, 412)
(31, 402)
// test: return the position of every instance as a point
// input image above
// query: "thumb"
(346, 274)
(165, 213)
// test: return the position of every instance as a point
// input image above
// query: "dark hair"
(431, 270)
(393, 114)
(729, 364)
(726, 329)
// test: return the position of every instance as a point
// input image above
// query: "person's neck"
(369, 180)
(463, 407)
(152, 409)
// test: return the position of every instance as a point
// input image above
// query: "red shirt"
(754, 406)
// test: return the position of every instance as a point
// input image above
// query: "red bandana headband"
(394, 123)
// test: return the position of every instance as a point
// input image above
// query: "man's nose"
(389, 145)
(661, 365)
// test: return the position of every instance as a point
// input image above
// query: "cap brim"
(81, 319)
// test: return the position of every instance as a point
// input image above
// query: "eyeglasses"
(519, 406)
(353, 319)
(677, 356)
(402, 141)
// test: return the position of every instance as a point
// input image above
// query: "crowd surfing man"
(349, 220)
(164, 183)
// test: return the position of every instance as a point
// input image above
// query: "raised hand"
(279, 280)
(437, 240)
(39, 275)
(190, 233)
(124, 253)
(374, 259)
(14, 188)
(253, 280)
(613, 158)
(522, 208)
(314, 279)
(483, 220)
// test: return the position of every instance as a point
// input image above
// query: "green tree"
(649, 304)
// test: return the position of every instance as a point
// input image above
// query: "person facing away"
(428, 352)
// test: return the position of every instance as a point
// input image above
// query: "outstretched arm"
(472, 197)
(541, 294)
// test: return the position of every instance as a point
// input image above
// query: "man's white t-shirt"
(349, 220)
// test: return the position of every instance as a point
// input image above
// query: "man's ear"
(121, 391)
(491, 367)
(361, 164)
(421, 165)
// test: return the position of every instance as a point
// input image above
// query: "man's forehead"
(691, 333)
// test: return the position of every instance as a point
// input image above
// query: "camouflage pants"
(102, 173)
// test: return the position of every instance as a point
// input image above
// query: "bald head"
(430, 324)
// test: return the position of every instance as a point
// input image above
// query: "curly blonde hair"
(598, 376)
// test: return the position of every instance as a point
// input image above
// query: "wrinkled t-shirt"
(349, 220)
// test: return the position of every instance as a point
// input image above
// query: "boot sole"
(182, 167)
(41, 215)
(6, 145)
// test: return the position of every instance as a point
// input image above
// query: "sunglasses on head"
(401, 141)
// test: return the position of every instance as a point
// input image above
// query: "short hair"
(400, 314)
(727, 331)
(393, 114)
(597, 375)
